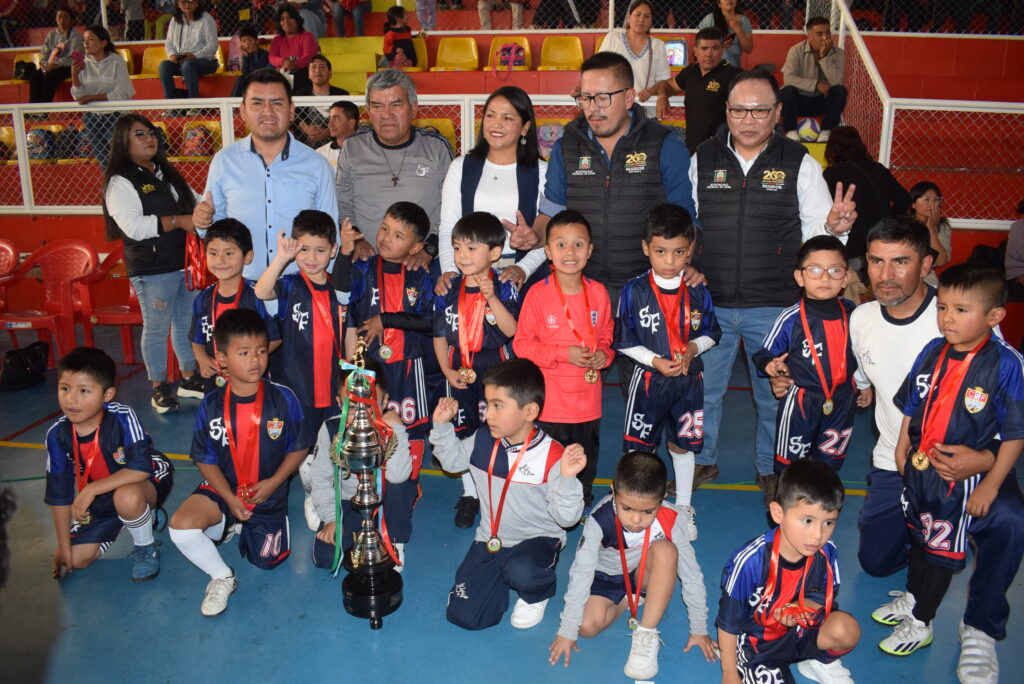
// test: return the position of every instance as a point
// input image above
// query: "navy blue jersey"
(280, 434)
(413, 294)
(201, 331)
(826, 322)
(446, 316)
(744, 580)
(123, 444)
(641, 322)
(990, 405)
(305, 362)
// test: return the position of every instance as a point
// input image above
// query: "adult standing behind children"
(813, 80)
(55, 58)
(294, 177)
(191, 46)
(148, 206)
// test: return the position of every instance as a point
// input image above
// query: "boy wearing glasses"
(810, 342)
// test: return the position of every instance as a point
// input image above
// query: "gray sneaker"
(217, 592)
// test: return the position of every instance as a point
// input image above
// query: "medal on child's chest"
(84, 463)
(247, 464)
(920, 460)
(678, 334)
(494, 543)
(471, 330)
(386, 351)
(215, 311)
(590, 375)
(838, 374)
(633, 600)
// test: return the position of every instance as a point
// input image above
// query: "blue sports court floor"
(288, 624)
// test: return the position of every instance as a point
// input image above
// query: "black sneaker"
(466, 509)
(163, 399)
(192, 387)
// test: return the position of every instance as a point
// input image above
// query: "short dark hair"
(266, 76)
(845, 144)
(412, 215)
(237, 323)
(613, 61)
(755, 75)
(230, 230)
(816, 21)
(247, 30)
(520, 378)
(480, 226)
(641, 473)
(322, 58)
(568, 217)
(807, 480)
(901, 229)
(820, 243)
(710, 33)
(374, 366)
(985, 281)
(316, 223)
(350, 108)
(95, 363)
(669, 221)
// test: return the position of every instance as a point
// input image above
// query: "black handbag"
(23, 368)
(23, 71)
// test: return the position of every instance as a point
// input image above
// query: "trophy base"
(372, 595)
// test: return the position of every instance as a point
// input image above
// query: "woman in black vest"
(504, 175)
(148, 205)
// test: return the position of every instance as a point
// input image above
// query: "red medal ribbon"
(84, 464)
(247, 466)
(323, 312)
(677, 340)
(800, 610)
(631, 599)
(196, 275)
(216, 311)
(391, 336)
(496, 517)
(837, 378)
(934, 431)
(592, 347)
(471, 324)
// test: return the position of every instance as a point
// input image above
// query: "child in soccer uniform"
(815, 418)
(99, 449)
(778, 604)
(397, 470)
(250, 437)
(309, 313)
(228, 251)
(529, 494)
(565, 327)
(664, 326)
(473, 328)
(964, 394)
(634, 544)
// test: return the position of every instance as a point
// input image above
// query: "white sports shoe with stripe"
(908, 636)
(978, 663)
(893, 612)
(825, 673)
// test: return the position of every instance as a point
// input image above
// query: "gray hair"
(389, 78)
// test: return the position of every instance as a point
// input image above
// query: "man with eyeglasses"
(759, 196)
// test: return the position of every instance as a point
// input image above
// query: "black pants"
(135, 29)
(588, 435)
(43, 86)
(794, 105)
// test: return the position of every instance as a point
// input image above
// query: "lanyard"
(670, 310)
(798, 609)
(837, 378)
(215, 311)
(84, 462)
(389, 334)
(247, 466)
(632, 599)
(323, 312)
(471, 324)
(496, 516)
(932, 431)
(572, 326)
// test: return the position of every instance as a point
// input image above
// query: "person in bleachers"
(55, 58)
(739, 37)
(311, 122)
(342, 122)
(100, 76)
(646, 54)
(550, 12)
(134, 20)
(293, 46)
(191, 46)
(426, 13)
(253, 56)
(484, 8)
(813, 80)
(357, 8)
(313, 16)
(319, 72)
(926, 207)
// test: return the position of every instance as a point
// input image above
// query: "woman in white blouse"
(646, 54)
(504, 175)
(100, 77)
(191, 46)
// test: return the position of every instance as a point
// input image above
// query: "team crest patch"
(584, 164)
(636, 162)
(721, 175)
(412, 294)
(695, 319)
(274, 427)
(489, 315)
(119, 456)
(975, 399)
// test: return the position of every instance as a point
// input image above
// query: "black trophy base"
(372, 595)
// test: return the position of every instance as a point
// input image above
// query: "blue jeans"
(190, 71)
(749, 325)
(358, 12)
(98, 128)
(166, 303)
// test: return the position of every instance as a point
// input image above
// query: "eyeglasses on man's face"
(602, 100)
(756, 112)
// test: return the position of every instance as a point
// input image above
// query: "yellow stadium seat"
(443, 126)
(151, 58)
(421, 55)
(215, 133)
(340, 46)
(7, 137)
(383, 5)
(457, 53)
(53, 128)
(126, 55)
(352, 81)
(817, 151)
(352, 61)
(561, 53)
(221, 62)
(498, 41)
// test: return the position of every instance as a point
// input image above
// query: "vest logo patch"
(721, 175)
(773, 180)
(583, 167)
(584, 164)
(274, 428)
(636, 162)
(975, 399)
(713, 86)
(147, 188)
(720, 180)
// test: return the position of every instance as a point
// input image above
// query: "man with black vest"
(759, 196)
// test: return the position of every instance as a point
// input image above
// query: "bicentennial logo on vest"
(773, 180)
(636, 162)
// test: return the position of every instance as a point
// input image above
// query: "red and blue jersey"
(204, 314)
(281, 432)
(123, 443)
(446, 317)
(404, 291)
(641, 322)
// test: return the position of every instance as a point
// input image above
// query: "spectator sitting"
(100, 76)
(1015, 257)
(191, 46)
(926, 207)
(292, 47)
(55, 58)
(342, 122)
(357, 8)
(311, 122)
(253, 56)
(812, 80)
(319, 72)
(398, 48)
(739, 37)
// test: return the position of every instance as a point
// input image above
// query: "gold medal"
(220, 381)
(494, 545)
(591, 375)
(85, 519)
(827, 407)
(920, 460)
(468, 376)
(633, 624)
(678, 356)
(385, 352)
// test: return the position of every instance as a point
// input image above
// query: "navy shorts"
(611, 587)
(407, 395)
(265, 540)
(768, 662)
(884, 538)
(105, 524)
(656, 404)
(802, 430)
(471, 400)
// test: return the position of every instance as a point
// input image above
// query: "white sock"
(141, 528)
(468, 486)
(641, 628)
(200, 549)
(683, 465)
(216, 532)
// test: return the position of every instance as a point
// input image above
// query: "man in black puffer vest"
(759, 197)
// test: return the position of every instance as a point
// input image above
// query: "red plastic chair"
(125, 315)
(62, 264)
(8, 262)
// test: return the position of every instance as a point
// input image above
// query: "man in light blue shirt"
(266, 178)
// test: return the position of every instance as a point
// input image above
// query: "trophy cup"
(373, 588)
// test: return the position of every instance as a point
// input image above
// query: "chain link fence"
(866, 93)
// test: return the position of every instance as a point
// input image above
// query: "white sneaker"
(909, 636)
(231, 532)
(526, 615)
(893, 612)
(217, 591)
(306, 474)
(643, 654)
(690, 514)
(400, 552)
(978, 663)
(823, 136)
(826, 673)
(312, 517)
(793, 135)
